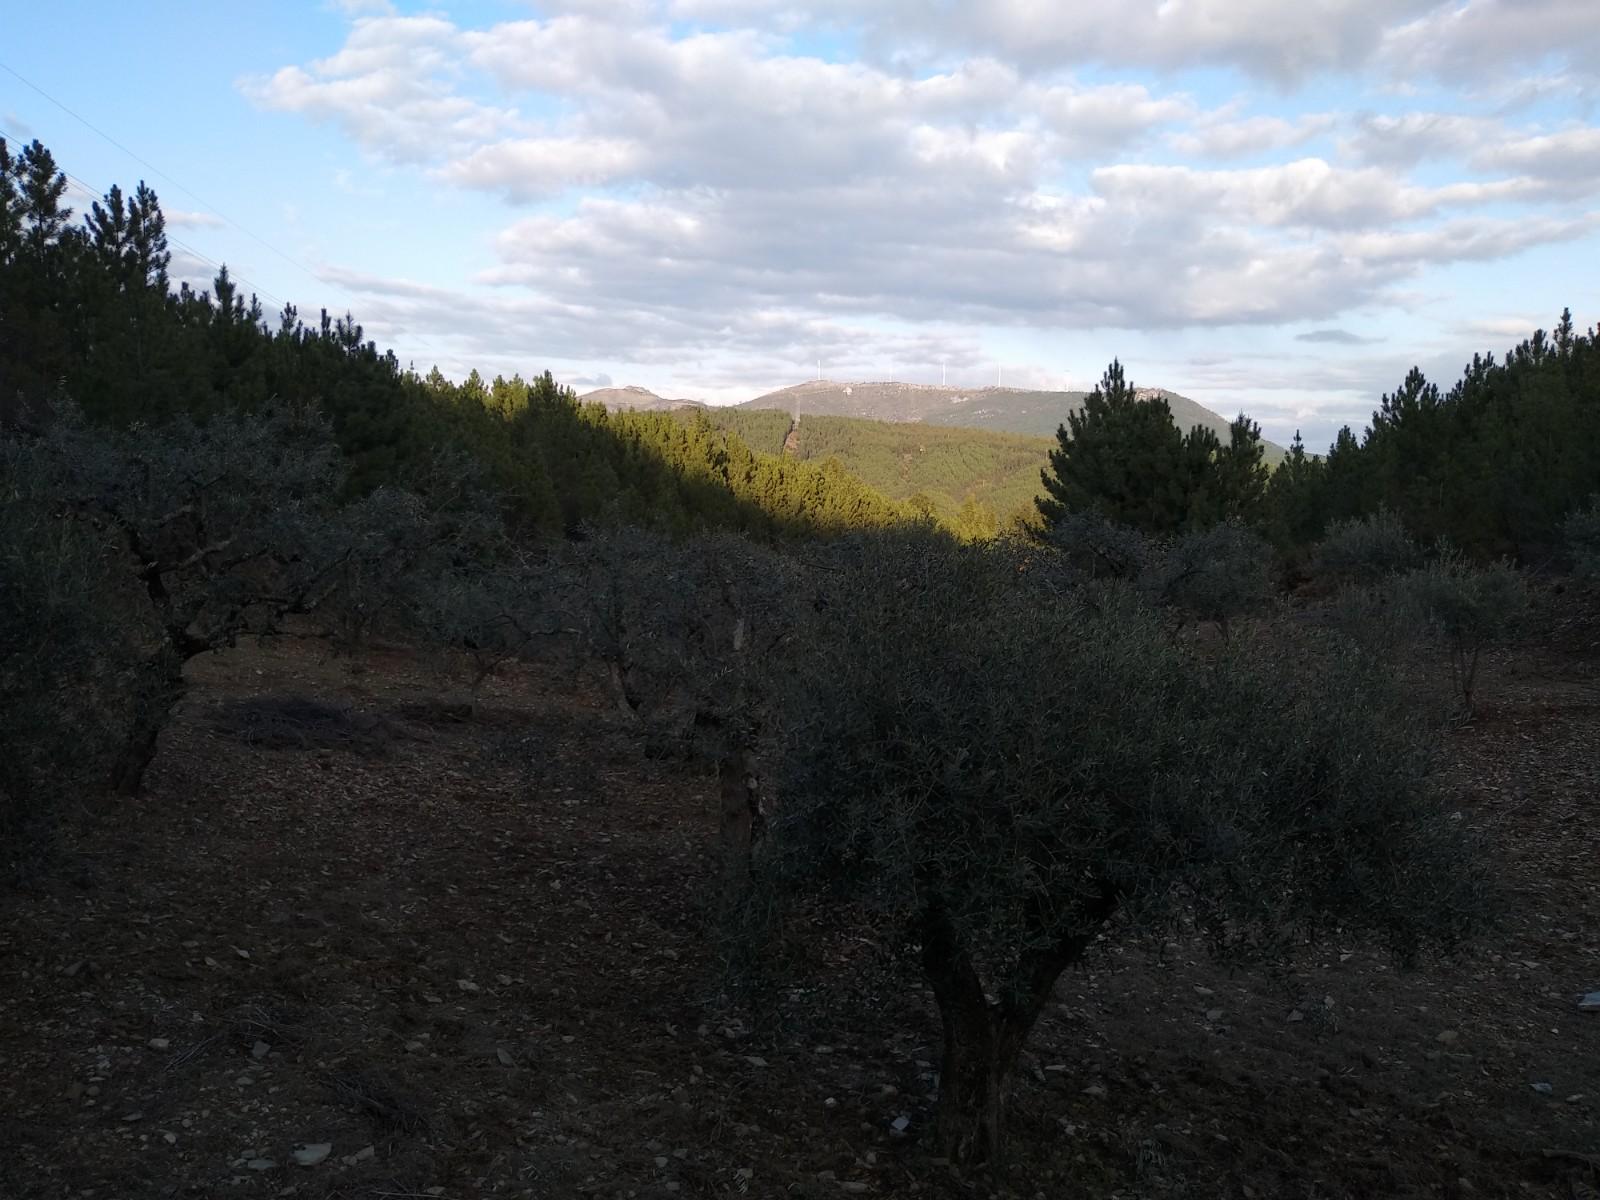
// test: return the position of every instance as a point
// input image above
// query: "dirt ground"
(466, 958)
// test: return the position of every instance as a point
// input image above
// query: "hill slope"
(637, 399)
(1003, 409)
(946, 465)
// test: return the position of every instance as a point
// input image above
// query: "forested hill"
(1004, 409)
(973, 480)
(1495, 463)
(88, 318)
(635, 399)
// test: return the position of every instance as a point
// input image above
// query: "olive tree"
(1097, 547)
(1366, 550)
(1215, 574)
(222, 529)
(1009, 773)
(692, 632)
(1218, 574)
(66, 646)
(494, 609)
(1467, 607)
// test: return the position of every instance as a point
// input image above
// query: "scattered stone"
(466, 985)
(1094, 1089)
(1295, 1015)
(1545, 1089)
(261, 1164)
(1590, 1003)
(755, 1060)
(1203, 991)
(260, 1050)
(159, 1044)
(504, 1056)
(1447, 1037)
(71, 971)
(1213, 1014)
(311, 1155)
(900, 1124)
(132, 1117)
(853, 1186)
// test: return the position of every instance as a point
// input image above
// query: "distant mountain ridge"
(636, 398)
(1011, 410)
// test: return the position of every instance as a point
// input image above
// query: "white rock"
(159, 1043)
(1590, 1003)
(311, 1155)
(260, 1164)
(260, 1050)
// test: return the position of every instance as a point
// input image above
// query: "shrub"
(1467, 607)
(1582, 533)
(66, 645)
(999, 771)
(1097, 547)
(1218, 574)
(1367, 549)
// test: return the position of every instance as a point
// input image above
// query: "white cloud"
(384, 89)
(1493, 39)
(1221, 135)
(183, 219)
(1398, 40)
(705, 192)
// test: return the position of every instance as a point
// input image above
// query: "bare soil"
(469, 955)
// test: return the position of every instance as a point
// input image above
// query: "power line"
(212, 209)
(153, 169)
(90, 190)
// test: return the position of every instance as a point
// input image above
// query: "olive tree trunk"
(982, 1039)
(159, 691)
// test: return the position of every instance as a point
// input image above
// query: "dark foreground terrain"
(463, 958)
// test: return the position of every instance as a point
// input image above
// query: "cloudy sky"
(1270, 207)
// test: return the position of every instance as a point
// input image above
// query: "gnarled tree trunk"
(740, 790)
(159, 692)
(982, 1040)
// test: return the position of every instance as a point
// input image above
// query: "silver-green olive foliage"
(1009, 769)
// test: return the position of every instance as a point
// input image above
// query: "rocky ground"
(350, 946)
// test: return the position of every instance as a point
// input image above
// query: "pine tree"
(1118, 455)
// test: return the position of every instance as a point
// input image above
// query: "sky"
(1271, 208)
